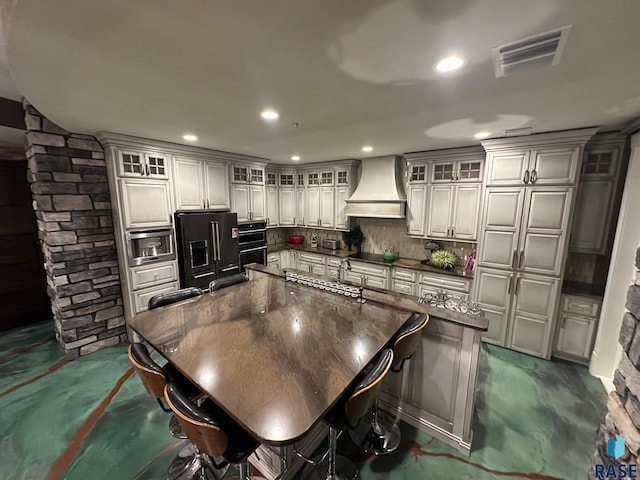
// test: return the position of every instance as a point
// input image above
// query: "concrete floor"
(91, 418)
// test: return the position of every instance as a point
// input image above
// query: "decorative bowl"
(296, 239)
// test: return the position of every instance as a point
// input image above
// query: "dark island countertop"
(375, 258)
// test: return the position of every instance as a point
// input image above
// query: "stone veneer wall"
(623, 415)
(68, 179)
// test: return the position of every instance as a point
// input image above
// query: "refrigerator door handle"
(218, 248)
(213, 240)
(232, 267)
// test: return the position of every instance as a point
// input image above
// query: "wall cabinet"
(249, 202)
(537, 166)
(273, 207)
(145, 204)
(200, 184)
(287, 206)
(592, 229)
(461, 171)
(138, 163)
(319, 206)
(416, 202)
(453, 211)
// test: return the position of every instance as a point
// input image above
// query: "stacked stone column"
(623, 406)
(68, 179)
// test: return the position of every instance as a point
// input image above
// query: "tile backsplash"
(379, 234)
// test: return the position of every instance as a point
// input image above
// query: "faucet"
(340, 267)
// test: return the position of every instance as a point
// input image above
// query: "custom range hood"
(379, 193)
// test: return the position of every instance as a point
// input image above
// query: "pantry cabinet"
(145, 204)
(526, 216)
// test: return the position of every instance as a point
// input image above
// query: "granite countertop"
(400, 300)
(583, 289)
(375, 258)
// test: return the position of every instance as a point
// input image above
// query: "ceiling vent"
(541, 50)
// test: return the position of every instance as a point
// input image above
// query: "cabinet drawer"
(403, 274)
(311, 258)
(273, 257)
(369, 269)
(446, 282)
(141, 297)
(402, 286)
(581, 306)
(143, 277)
(334, 261)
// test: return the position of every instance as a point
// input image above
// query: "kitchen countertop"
(375, 258)
(400, 300)
(583, 289)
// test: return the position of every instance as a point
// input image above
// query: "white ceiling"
(351, 73)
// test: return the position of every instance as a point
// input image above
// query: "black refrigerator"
(207, 245)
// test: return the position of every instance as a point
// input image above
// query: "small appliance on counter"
(331, 244)
(296, 239)
(314, 240)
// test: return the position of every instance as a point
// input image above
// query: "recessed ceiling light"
(481, 135)
(269, 114)
(367, 148)
(448, 64)
(295, 158)
(190, 137)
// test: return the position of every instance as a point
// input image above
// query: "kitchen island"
(435, 390)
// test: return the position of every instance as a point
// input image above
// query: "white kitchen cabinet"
(248, 201)
(417, 172)
(141, 297)
(535, 299)
(152, 275)
(319, 207)
(592, 230)
(368, 274)
(342, 194)
(577, 325)
(300, 205)
(145, 204)
(416, 201)
(272, 213)
(287, 206)
(537, 166)
(457, 171)
(138, 163)
(199, 184)
(492, 291)
(273, 260)
(575, 336)
(525, 228)
(453, 211)
(403, 280)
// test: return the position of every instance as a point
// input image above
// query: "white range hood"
(379, 193)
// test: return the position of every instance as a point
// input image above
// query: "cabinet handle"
(534, 176)
(521, 259)
(514, 259)
(453, 231)
(510, 285)
(518, 285)
(148, 170)
(453, 175)
(526, 177)
(457, 175)
(294, 220)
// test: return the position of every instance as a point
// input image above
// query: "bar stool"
(213, 433)
(346, 414)
(227, 281)
(155, 378)
(382, 436)
(167, 298)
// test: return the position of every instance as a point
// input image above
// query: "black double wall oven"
(253, 243)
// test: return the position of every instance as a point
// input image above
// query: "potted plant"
(443, 259)
(353, 238)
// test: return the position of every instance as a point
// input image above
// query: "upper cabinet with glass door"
(248, 174)
(140, 164)
(461, 171)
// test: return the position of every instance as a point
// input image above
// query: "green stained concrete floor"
(90, 418)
